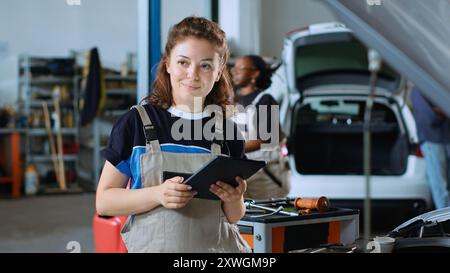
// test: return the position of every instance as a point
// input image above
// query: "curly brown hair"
(200, 28)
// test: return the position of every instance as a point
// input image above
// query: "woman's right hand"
(173, 194)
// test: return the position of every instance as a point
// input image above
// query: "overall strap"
(252, 126)
(151, 138)
(219, 139)
(258, 97)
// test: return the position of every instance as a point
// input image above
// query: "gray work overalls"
(200, 226)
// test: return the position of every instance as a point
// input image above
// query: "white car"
(325, 74)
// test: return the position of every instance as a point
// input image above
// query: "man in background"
(433, 128)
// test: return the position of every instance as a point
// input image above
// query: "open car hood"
(412, 36)
(440, 215)
(413, 225)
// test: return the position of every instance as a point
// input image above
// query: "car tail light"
(284, 150)
(418, 151)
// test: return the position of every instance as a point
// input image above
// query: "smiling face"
(194, 66)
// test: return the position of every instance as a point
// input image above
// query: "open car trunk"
(327, 138)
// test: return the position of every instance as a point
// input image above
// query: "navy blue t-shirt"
(127, 140)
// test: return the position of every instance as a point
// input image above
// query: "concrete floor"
(47, 223)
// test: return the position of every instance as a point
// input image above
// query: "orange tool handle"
(320, 204)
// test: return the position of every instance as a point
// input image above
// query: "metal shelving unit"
(38, 78)
(43, 132)
(100, 128)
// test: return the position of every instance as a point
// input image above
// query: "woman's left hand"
(228, 193)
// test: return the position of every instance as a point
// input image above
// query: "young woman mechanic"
(251, 76)
(165, 215)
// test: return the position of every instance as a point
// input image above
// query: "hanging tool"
(51, 140)
(62, 180)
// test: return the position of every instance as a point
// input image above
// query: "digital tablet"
(224, 169)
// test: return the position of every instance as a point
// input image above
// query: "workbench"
(280, 233)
